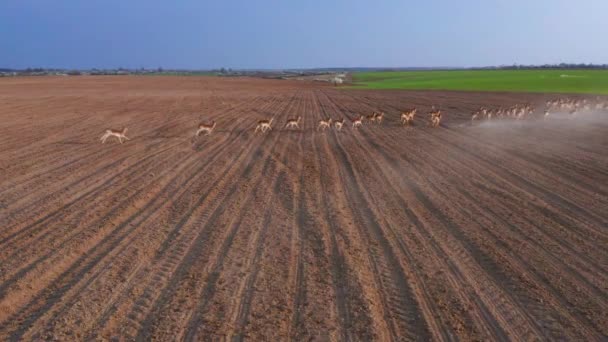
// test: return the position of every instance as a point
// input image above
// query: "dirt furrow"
(259, 291)
(529, 226)
(184, 133)
(167, 250)
(401, 309)
(434, 296)
(539, 183)
(85, 195)
(149, 205)
(446, 221)
(191, 278)
(577, 220)
(505, 311)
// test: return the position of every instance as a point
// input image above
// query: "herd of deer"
(517, 112)
(520, 112)
(407, 118)
(573, 106)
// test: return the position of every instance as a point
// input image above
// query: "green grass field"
(545, 81)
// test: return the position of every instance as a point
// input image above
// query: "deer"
(323, 124)
(404, 117)
(203, 127)
(114, 132)
(530, 110)
(293, 123)
(379, 117)
(435, 118)
(263, 125)
(480, 113)
(501, 113)
(474, 116)
(358, 122)
(338, 124)
(371, 118)
(407, 117)
(512, 113)
(489, 114)
(521, 114)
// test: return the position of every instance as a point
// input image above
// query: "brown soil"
(474, 232)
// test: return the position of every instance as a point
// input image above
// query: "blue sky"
(300, 34)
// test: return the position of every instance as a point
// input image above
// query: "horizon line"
(605, 65)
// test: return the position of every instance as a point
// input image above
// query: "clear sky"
(201, 34)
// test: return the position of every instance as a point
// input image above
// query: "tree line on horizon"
(224, 71)
(548, 66)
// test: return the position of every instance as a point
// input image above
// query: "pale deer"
(407, 117)
(263, 125)
(379, 117)
(500, 113)
(488, 114)
(474, 116)
(206, 128)
(372, 117)
(481, 112)
(435, 118)
(114, 132)
(404, 117)
(293, 123)
(323, 124)
(338, 124)
(358, 122)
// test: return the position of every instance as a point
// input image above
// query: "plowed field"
(490, 231)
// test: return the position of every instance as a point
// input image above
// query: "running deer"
(435, 118)
(293, 123)
(489, 114)
(404, 117)
(500, 113)
(407, 117)
(206, 128)
(358, 122)
(338, 124)
(480, 113)
(379, 117)
(263, 125)
(323, 124)
(114, 132)
(474, 116)
(372, 117)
